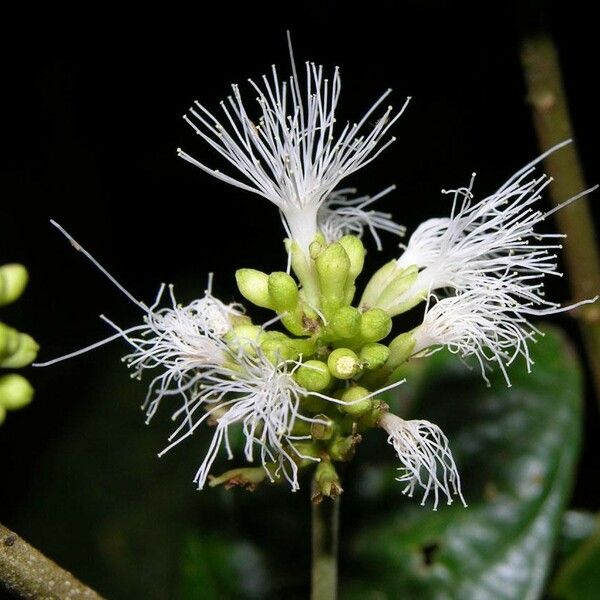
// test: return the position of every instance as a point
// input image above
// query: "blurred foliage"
(133, 526)
(578, 577)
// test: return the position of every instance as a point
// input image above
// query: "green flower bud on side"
(326, 482)
(244, 338)
(343, 448)
(283, 291)
(25, 352)
(374, 355)
(377, 284)
(357, 402)
(15, 391)
(333, 266)
(345, 323)
(313, 375)
(246, 477)
(401, 348)
(375, 324)
(396, 297)
(356, 253)
(13, 279)
(254, 286)
(324, 430)
(343, 363)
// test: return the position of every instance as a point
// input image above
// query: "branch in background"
(27, 573)
(552, 123)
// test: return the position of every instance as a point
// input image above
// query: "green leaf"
(515, 448)
(579, 576)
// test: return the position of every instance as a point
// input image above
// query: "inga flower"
(427, 461)
(291, 152)
(339, 216)
(486, 323)
(219, 385)
(493, 241)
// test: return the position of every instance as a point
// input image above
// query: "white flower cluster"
(480, 272)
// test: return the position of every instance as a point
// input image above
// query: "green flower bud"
(326, 482)
(313, 375)
(245, 477)
(333, 266)
(356, 253)
(254, 286)
(244, 338)
(23, 354)
(377, 284)
(391, 297)
(343, 363)
(375, 324)
(303, 267)
(15, 391)
(374, 355)
(401, 348)
(13, 279)
(324, 430)
(306, 449)
(345, 323)
(283, 291)
(357, 403)
(343, 448)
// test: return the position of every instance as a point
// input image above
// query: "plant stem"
(552, 123)
(27, 573)
(325, 529)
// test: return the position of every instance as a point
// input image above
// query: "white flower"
(217, 384)
(184, 345)
(339, 216)
(291, 153)
(486, 323)
(492, 241)
(427, 460)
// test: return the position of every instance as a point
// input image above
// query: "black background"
(91, 118)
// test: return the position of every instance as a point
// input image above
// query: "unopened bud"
(254, 286)
(283, 291)
(401, 348)
(13, 279)
(375, 324)
(326, 482)
(345, 323)
(357, 402)
(333, 266)
(356, 253)
(245, 338)
(20, 354)
(374, 355)
(343, 363)
(313, 375)
(15, 391)
(343, 448)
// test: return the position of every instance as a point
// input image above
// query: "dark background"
(91, 118)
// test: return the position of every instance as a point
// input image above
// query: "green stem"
(325, 528)
(552, 123)
(27, 573)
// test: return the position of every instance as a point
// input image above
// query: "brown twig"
(27, 573)
(552, 123)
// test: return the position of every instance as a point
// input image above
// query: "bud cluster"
(16, 349)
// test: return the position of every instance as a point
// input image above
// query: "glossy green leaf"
(515, 448)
